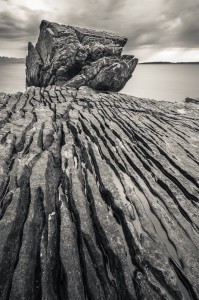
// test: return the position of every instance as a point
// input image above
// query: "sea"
(167, 82)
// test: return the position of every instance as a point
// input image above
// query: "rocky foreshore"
(99, 196)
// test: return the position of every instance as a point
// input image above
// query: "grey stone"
(76, 56)
(99, 196)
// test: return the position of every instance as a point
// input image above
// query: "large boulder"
(77, 56)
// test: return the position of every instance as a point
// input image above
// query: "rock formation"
(99, 196)
(76, 57)
(192, 100)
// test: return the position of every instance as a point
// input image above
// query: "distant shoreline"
(14, 60)
(169, 63)
(11, 60)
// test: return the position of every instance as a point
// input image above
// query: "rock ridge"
(98, 196)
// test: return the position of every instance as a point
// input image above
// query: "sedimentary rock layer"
(192, 100)
(99, 196)
(78, 56)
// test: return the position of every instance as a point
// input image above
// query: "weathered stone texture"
(99, 196)
(77, 56)
(192, 100)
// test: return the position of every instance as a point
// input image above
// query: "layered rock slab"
(76, 57)
(99, 196)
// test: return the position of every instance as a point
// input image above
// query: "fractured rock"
(76, 57)
(99, 196)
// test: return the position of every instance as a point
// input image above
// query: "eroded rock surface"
(192, 100)
(77, 56)
(99, 196)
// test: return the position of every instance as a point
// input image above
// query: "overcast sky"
(156, 29)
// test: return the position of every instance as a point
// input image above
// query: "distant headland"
(14, 60)
(11, 60)
(167, 62)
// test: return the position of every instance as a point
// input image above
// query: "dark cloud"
(160, 23)
(181, 25)
(13, 27)
(102, 14)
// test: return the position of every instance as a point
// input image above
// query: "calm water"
(161, 82)
(12, 78)
(164, 82)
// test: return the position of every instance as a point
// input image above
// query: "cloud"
(16, 28)
(181, 24)
(150, 26)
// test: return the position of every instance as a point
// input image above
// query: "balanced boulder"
(76, 57)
